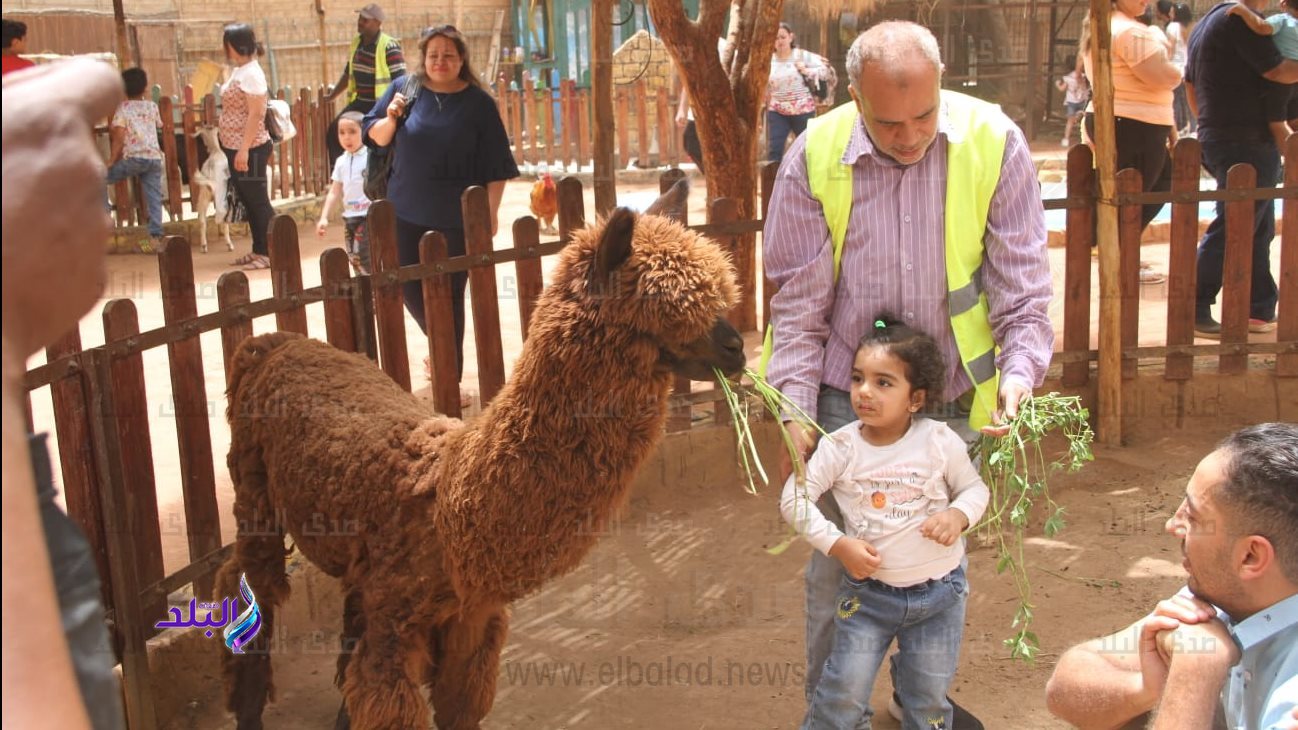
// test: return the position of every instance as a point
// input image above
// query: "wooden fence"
(101, 414)
(553, 126)
(300, 166)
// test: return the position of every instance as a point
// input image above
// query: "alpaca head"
(649, 276)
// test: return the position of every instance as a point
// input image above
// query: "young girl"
(1281, 102)
(907, 490)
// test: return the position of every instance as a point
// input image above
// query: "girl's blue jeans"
(150, 174)
(927, 621)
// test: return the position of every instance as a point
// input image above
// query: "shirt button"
(910, 267)
(910, 315)
(906, 218)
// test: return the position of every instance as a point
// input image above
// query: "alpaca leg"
(381, 685)
(248, 680)
(353, 629)
(469, 652)
(258, 555)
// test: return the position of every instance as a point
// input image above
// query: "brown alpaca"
(435, 527)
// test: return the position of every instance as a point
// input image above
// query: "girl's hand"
(241, 159)
(321, 226)
(397, 107)
(945, 526)
(859, 558)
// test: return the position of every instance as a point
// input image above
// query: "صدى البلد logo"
(237, 632)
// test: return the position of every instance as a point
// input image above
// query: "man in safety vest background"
(919, 202)
(374, 61)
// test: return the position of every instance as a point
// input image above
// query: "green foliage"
(1015, 469)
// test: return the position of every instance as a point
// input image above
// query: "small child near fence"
(349, 187)
(1077, 91)
(1281, 100)
(134, 150)
(906, 490)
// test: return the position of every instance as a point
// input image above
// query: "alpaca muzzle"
(722, 348)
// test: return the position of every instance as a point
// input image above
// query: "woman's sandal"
(257, 263)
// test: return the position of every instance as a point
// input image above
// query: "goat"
(212, 179)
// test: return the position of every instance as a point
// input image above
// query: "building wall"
(173, 36)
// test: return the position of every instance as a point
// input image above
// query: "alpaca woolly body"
(435, 526)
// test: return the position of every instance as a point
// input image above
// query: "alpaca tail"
(247, 357)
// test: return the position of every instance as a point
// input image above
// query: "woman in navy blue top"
(452, 138)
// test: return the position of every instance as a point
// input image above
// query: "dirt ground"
(678, 618)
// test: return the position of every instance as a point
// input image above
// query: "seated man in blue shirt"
(1226, 648)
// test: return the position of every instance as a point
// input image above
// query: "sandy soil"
(678, 619)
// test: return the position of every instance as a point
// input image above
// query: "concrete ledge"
(124, 239)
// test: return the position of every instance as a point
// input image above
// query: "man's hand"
(55, 224)
(321, 226)
(1207, 644)
(859, 558)
(1159, 638)
(945, 526)
(1011, 395)
(804, 440)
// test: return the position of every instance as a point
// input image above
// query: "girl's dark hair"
(352, 117)
(788, 29)
(1183, 15)
(925, 366)
(1165, 7)
(136, 81)
(454, 36)
(241, 38)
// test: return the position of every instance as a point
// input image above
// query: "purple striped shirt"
(894, 260)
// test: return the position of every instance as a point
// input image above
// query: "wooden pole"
(123, 48)
(1034, 65)
(601, 41)
(324, 49)
(1106, 219)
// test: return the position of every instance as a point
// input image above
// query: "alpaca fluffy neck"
(528, 485)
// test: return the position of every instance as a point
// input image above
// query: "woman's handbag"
(379, 167)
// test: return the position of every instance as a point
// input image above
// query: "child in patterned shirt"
(134, 150)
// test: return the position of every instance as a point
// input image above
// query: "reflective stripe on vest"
(973, 171)
(382, 77)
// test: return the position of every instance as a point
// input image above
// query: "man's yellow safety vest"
(382, 77)
(975, 150)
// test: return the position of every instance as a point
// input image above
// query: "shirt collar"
(860, 145)
(1266, 623)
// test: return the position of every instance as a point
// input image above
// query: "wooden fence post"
(767, 171)
(666, 126)
(166, 108)
(189, 407)
(1184, 235)
(131, 421)
(623, 124)
(1079, 243)
(566, 120)
(516, 119)
(572, 208)
(482, 291)
(528, 269)
(282, 152)
(389, 310)
(642, 124)
(125, 554)
(1286, 364)
(189, 124)
(286, 273)
(438, 310)
(232, 294)
(336, 278)
(1128, 182)
(72, 426)
(1237, 269)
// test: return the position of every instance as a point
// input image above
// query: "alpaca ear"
(671, 204)
(614, 248)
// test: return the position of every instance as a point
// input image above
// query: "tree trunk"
(728, 93)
